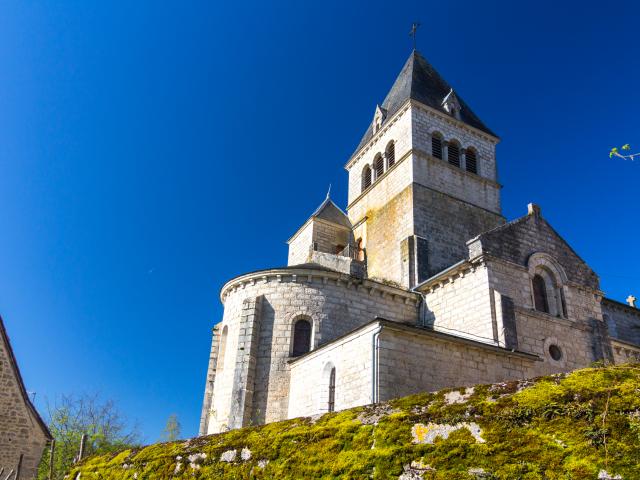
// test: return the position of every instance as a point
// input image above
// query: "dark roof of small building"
(330, 212)
(419, 81)
(13, 364)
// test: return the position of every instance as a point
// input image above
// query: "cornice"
(421, 153)
(308, 275)
(455, 122)
(432, 111)
(377, 182)
(450, 275)
(376, 136)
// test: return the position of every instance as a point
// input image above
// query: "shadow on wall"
(600, 343)
(264, 364)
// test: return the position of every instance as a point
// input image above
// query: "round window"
(555, 352)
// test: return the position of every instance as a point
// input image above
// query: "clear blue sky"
(150, 151)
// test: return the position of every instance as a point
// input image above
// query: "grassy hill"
(583, 425)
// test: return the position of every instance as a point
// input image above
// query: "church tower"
(423, 180)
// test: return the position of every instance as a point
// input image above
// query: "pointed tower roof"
(327, 211)
(330, 212)
(419, 81)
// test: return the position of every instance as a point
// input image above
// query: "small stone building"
(420, 284)
(23, 434)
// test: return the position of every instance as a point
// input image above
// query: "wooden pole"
(51, 458)
(19, 467)
(83, 441)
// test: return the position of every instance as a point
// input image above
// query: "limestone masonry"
(420, 285)
(23, 434)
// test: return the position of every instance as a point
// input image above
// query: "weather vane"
(412, 33)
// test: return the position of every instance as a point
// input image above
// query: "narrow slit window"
(391, 154)
(331, 407)
(378, 165)
(436, 146)
(453, 154)
(222, 350)
(472, 161)
(366, 178)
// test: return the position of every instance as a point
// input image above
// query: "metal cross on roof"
(412, 33)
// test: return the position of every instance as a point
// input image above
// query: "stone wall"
(384, 230)
(425, 122)
(351, 356)
(210, 381)
(300, 245)
(491, 300)
(328, 236)
(623, 321)
(412, 362)
(461, 304)
(439, 175)
(317, 235)
(518, 240)
(398, 130)
(20, 431)
(624, 352)
(447, 224)
(335, 304)
(578, 341)
(422, 196)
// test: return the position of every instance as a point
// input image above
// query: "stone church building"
(422, 284)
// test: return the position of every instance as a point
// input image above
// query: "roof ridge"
(499, 227)
(13, 364)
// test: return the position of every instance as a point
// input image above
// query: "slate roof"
(419, 81)
(332, 213)
(13, 365)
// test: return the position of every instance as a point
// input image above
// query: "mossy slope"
(559, 427)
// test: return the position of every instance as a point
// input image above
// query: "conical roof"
(419, 81)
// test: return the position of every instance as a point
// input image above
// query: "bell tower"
(423, 180)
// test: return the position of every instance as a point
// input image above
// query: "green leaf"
(626, 146)
(614, 151)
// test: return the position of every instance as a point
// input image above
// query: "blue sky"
(150, 151)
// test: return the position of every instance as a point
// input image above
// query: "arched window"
(359, 250)
(378, 165)
(301, 338)
(390, 152)
(366, 177)
(222, 349)
(331, 405)
(471, 160)
(436, 145)
(453, 153)
(540, 294)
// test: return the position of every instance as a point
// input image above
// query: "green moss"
(559, 427)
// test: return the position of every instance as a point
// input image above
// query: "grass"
(559, 427)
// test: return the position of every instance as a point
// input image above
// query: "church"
(419, 284)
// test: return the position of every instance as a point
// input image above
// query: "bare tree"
(72, 417)
(616, 152)
(172, 430)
